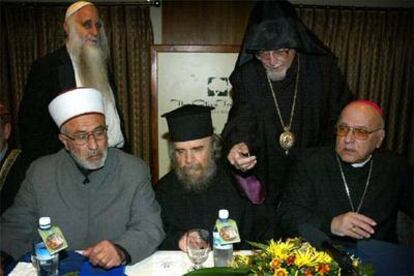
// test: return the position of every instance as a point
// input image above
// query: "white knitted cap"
(75, 7)
(76, 102)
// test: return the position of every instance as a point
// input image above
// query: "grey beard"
(92, 62)
(93, 71)
(276, 76)
(199, 184)
(88, 165)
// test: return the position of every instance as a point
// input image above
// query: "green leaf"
(73, 273)
(219, 271)
(258, 245)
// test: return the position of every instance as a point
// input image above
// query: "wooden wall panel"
(184, 22)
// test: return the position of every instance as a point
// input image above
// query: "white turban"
(76, 102)
(75, 7)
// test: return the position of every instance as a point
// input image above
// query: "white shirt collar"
(361, 164)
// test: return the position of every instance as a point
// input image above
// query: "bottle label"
(217, 242)
(53, 239)
(42, 254)
(227, 231)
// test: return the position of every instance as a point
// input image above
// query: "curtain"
(130, 36)
(31, 31)
(375, 51)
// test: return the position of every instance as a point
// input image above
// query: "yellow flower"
(305, 258)
(280, 249)
(241, 261)
(281, 272)
(292, 257)
(323, 257)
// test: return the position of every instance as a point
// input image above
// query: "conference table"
(387, 259)
(171, 263)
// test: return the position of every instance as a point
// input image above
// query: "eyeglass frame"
(362, 131)
(82, 142)
(280, 53)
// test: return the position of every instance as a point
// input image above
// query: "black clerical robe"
(253, 118)
(12, 177)
(182, 210)
(316, 192)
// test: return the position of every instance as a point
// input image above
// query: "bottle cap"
(44, 222)
(223, 214)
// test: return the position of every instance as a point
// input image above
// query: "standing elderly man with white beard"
(82, 62)
(288, 92)
(101, 197)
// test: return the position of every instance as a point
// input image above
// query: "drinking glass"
(198, 246)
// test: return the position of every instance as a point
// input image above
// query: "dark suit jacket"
(48, 77)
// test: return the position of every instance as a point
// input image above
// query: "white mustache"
(93, 153)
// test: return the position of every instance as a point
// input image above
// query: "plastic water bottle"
(222, 253)
(46, 263)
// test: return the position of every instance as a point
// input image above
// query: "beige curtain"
(31, 31)
(130, 34)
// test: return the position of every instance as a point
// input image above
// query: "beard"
(276, 75)
(195, 177)
(91, 165)
(91, 61)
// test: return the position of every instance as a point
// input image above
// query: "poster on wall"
(183, 75)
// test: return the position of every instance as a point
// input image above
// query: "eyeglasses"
(280, 53)
(82, 138)
(358, 132)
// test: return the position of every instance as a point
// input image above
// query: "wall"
(223, 22)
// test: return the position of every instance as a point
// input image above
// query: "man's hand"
(104, 254)
(182, 243)
(353, 225)
(239, 157)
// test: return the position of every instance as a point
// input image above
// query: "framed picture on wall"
(187, 75)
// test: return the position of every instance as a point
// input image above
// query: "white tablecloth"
(171, 263)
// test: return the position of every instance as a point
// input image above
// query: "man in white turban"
(81, 62)
(101, 197)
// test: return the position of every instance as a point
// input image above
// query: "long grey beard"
(197, 184)
(93, 71)
(92, 63)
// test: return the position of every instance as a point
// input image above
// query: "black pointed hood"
(275, 25)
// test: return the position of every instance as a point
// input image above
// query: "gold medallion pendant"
(287, 140)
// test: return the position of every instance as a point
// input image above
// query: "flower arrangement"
(292, 257)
